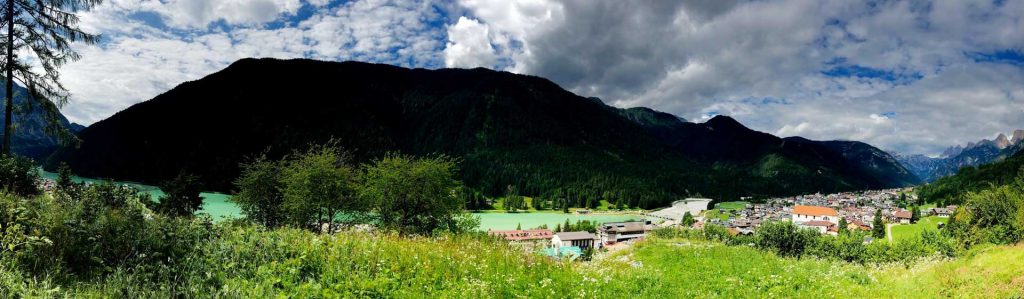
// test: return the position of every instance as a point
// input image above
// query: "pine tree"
(519, 226)
(842, 224)
(558, 228)
(878, 231)
(64, 181)
(45, 30)
(915, 214)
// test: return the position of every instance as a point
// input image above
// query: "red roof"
(523, 234)
(814, 211)
(902, 214)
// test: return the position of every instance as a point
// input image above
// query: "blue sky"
(911, 76)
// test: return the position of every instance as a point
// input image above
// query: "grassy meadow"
(906, 231)
(247, 262)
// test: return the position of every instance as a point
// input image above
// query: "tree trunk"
(9, 107)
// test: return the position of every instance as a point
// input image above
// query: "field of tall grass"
(250, 262)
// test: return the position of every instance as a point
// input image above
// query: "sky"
(908, 76)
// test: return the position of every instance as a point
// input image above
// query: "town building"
(529, 239)
(583, 240)
(615, 232)
(814, 213)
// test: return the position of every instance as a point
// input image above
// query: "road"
(888, 231)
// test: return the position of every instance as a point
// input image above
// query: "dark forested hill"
(30, 138)
(506, 129)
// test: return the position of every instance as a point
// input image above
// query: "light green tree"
(415, 196)
(318, 186)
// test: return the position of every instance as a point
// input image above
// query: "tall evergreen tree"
(44, 30)
(878, 229)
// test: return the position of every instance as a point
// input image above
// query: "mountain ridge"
(507, 129)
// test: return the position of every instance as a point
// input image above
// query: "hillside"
(30, 138)
(507, 129)
(956, 157)
(972, 179)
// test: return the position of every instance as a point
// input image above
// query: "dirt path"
(888, 231)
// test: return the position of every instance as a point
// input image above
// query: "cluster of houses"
(823, 212)
(573, 244)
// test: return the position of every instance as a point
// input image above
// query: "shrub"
(784, 238)
(181, 196)
(18, 175)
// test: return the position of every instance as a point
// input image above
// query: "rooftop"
(814, 211)
(575, 236)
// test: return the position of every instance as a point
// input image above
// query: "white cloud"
(137, 61)
(700, 58)
(469, 45)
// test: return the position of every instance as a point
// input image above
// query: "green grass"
(732, 205)
(906, 231)
(727, 207)
(252, 263)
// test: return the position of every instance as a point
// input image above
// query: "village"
(822, 213)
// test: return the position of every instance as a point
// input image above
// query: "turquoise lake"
(218, 206)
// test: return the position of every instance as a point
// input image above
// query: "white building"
(583, 240)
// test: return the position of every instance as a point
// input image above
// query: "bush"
(181, 197)
(994, 215)
(784, 238)
(105, 229)
(18, 175)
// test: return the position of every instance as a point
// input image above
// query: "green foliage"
(580, 225)
(259, 192)
(784, 238)
(105, 229)
(915, 214)
(687, 220)
(843, 225)
(878, 226)
(513, 201)
(181, 196)
(318, 186)
(995, 215)
(413, 195)
(18, 175)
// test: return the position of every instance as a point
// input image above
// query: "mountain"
(956, 157)
(951, 189)
(30, 138)
(723, 140)
(506, 129)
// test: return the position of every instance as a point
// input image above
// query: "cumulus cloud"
(469, 45)
(894, 74)
(138, 61)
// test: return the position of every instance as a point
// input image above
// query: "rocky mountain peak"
(1001, 141)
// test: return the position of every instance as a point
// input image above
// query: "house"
(527, 238)
(614, 232)
(814, 213)
(901, 216)
(583, 240)
(822, 226)
(941, 212)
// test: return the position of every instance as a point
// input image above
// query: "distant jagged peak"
(1001, 141)
(952, 151)
(1018, 136)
